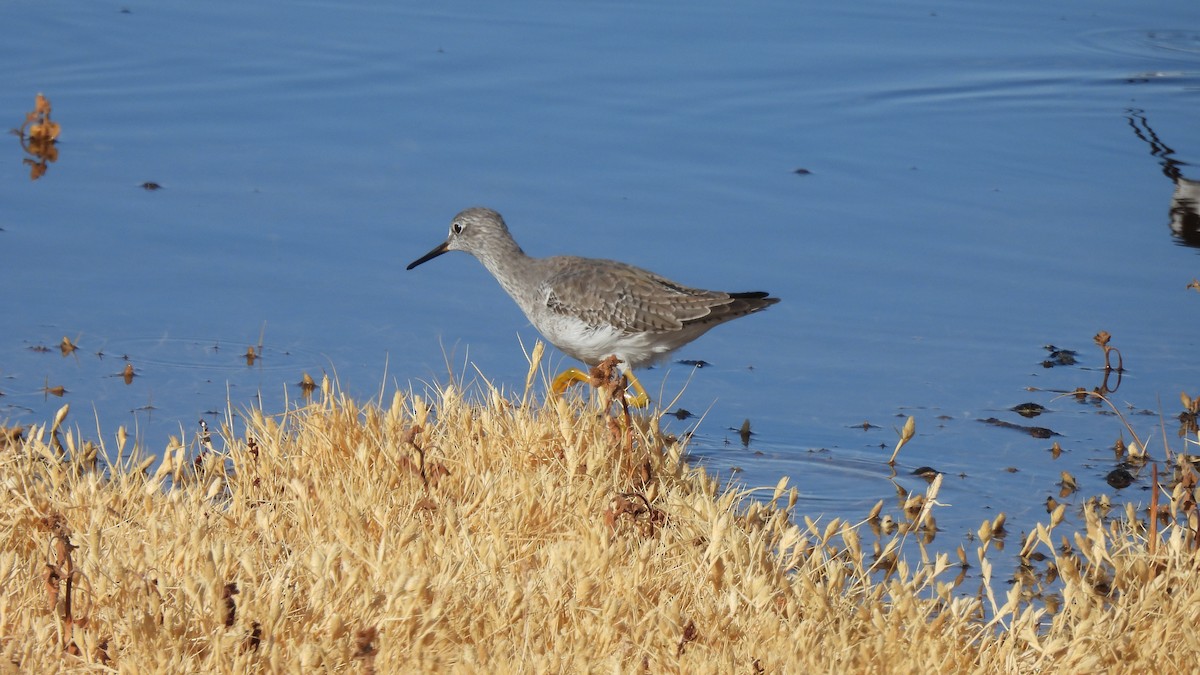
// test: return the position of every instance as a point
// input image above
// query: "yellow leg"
(572, 375)
(641, 399)
(566, 378)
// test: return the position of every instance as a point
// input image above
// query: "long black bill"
(438, 250)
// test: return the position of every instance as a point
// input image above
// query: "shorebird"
(591, 308)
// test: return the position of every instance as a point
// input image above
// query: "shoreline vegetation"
(474, 531)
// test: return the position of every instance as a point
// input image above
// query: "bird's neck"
(508, 264)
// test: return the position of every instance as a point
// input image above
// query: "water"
(936, 193)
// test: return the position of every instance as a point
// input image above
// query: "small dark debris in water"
(126, 10)
(66, 346)
(1119, 478)
(926, 472)
(682, 414)
(802, 172)
(695, 363)
(1058, 357)
(1066, 480)
(865, 426)
(1188, 418)
(40, 144)
(307, 384)
(1068, 484)
(1028, 409)
(998, 529)
(41, 349)
(745, 433)
(150, 186)
(1036, 432)
(1188, 423)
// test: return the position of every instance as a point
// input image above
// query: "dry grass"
(501, 535)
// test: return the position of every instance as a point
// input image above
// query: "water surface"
(937, 192)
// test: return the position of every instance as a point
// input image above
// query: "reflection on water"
(42, 138)
(1185, 203)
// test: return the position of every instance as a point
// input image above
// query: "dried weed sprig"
(40, 141)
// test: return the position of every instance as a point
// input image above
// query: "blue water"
(977, 180)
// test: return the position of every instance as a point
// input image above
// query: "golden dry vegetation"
(481, 532)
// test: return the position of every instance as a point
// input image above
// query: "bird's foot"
(638, 399)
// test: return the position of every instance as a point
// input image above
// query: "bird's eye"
(456, 227)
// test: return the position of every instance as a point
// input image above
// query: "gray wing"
(634, 300)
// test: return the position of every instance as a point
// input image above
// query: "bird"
(593, 308)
